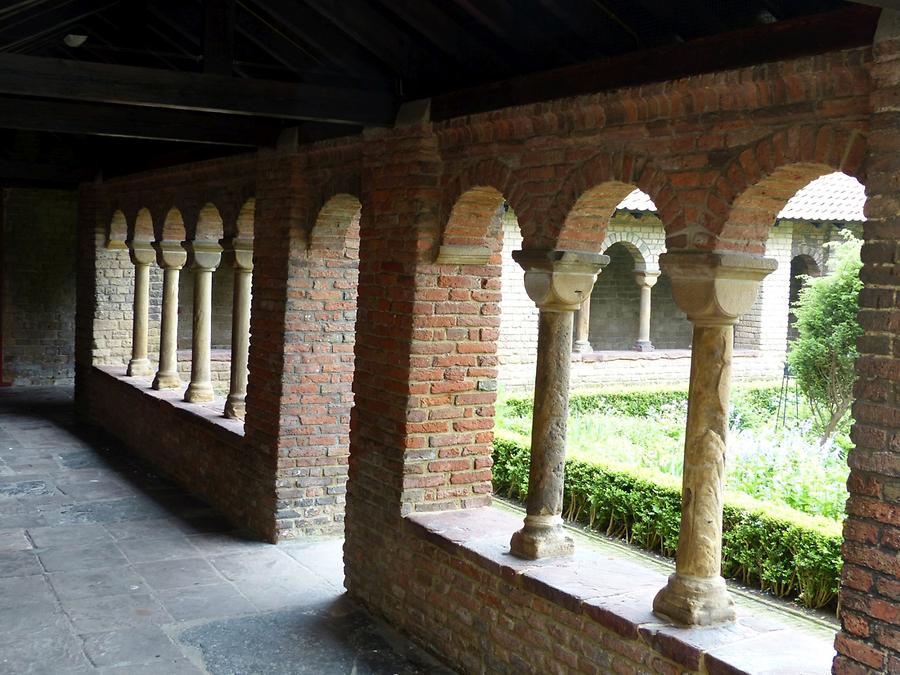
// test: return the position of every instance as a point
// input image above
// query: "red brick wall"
(870, 596)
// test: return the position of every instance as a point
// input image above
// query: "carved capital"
(141, 253)
(559, 280)
(647, 279)
(715, 288)
(170, 255)
(239, 253)
(203, 255)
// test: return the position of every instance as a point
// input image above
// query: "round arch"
(117, 230)
(336, 228)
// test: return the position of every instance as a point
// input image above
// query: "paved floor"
(106, 568)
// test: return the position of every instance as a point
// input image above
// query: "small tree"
(823, 355)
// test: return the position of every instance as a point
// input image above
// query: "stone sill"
(655, 355)
(210, 413)
(617, 593)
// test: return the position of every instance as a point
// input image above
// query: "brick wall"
(870, 593)
(38, 295)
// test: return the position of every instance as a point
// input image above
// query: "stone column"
(205, 257)
(240, 330)
(645, 281)
(558, 282)
(141, 256)
(171, 257)
(583, 327)
(713, 289)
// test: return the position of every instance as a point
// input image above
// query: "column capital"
(646, 278)
(239, 252)
(714, 287)
(141, 253)
(203, 255)
(170, 254)
(559, 281)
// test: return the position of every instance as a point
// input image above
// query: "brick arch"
(170, 226)
(245, 220)
(756, 184)
(207, 225)
(335, 231)
(141, 228)
(813, 254)
(472, 203)
(638, 248)
(590, 193)
(116, 229)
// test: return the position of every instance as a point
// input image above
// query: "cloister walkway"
(107, 568)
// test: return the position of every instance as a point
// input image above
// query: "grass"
(777, 463)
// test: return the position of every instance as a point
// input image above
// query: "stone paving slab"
(108, 569)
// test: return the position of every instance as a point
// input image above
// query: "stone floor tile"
(19, 591)
(182, 573)
(215, 544)
(134, 647)
(179, 667)
(325, 557)
(165, 548)
(94, 489)
(31, 622)
(19, 564)
(56, 655)
(300, 590)
(97, 583)
(14, 539)
(25, 488)
(114, 612)
(142, 529)
(68, 535)
(93, 556)
(261, 564)
(205, 602)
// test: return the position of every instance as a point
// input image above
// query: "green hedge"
(750, 405)
(775, 548)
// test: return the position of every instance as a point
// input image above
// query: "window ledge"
(617, 593)
(209, 413)
(655, 355)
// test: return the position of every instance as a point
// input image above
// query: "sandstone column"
(583, 327)
(645, 281)
(141, 256)
(713, 289)
(558, 282)
(240, 330)
(171, 257)
(205, 257)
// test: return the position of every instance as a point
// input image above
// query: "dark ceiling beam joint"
(218, 36)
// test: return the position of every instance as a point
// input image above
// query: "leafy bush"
(777, 548)
(823, 355)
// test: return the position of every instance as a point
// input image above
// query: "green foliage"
(823, 355)
(778, 549)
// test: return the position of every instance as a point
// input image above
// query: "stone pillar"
(645, 281)
(242, 256)
(713, 289)
(141, 256)
(205, 257)
(171, 257)
(583, 327)
(558, 282)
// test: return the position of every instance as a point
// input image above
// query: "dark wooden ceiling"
(159, 81)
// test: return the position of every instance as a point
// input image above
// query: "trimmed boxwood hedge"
(778, 549)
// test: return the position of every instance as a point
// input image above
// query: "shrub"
(823, 355)
(776, 548)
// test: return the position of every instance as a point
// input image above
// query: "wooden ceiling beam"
(845, 28)
(99, 119)
(127, 85)
(218, 36)
(43, 21)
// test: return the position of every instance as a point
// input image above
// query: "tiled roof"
(835, 196)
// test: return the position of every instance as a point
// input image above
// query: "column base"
(139, 368)
(695, 601)
(643, 346)
(582, 347)
(199, 392)
(235, 406)
(167, 381)
(533, 542)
